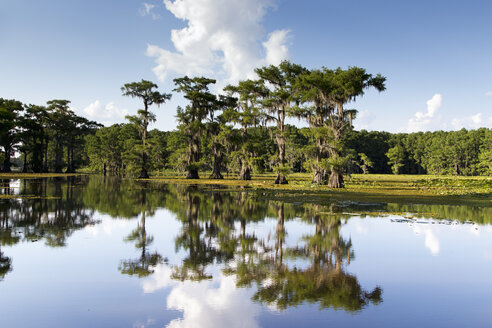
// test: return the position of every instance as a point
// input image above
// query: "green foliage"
(365, 163)
(145, 90)
(241, 131)
(396, 156)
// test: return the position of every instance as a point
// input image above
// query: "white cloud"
(488, 94)
(108, 114)
(205, 305)
(93, 108)
(107, 227)
(421, 121)
(223, 39)
(471, 122)
(147, 9)
(364, 120)
(212, 303)
(431, 242)
(161, 278)
(276, 49)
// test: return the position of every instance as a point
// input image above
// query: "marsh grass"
(369, 187)
(372, 183)
(15, 175)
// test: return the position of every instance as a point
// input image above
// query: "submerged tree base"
(216, 175)
(192, 175)
(281, 179)
(336, 180)
(245, 174)
(320, 177)
(143, 174)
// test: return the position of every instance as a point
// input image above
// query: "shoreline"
(476, 190)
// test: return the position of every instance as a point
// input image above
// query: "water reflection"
(142, 266)
(48, 210)
(214, 231)
(234, 247)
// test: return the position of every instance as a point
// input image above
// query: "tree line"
(50, 138)
(242, 130)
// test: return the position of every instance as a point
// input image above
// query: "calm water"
(95, 252)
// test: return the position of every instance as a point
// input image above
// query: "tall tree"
(326, 93)
(34, 125)
(347, 86)
(60, 118)
(191, 118)
(9, 132)
(219, 132)
(280, 80)
(146, 91)
(247, 113)
(314, 88)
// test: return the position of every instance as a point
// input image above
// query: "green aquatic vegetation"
(18, 175)
(26, 197)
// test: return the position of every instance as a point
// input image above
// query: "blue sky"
(437, 55)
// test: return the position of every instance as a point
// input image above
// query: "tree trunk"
(69, 161)
(193, 157)
(192, 174)
(320, 176)
(336, 180)
(58, 156)
(24, 167)
(281, 179)
(45, 149)
(6, 161)
(143, 174)
(245, 173)
(216, 169)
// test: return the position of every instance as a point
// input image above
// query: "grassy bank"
(371, 187)
(18, 175)
(377, 187)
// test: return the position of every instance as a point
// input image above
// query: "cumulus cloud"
(223, 38)
(107, 114)
(147, 9)
(421, 120)
(474, 121)
(364, 120)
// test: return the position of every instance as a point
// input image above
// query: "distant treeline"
(463, 152)
(53, 139)
(49, 138)
(240, 131)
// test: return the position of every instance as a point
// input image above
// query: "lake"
(89, 251)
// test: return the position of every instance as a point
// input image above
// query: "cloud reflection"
(211, 303)
(431, 241)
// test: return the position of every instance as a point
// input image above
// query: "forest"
(239, 132)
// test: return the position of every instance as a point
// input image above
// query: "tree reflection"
(214, 230)
(7, 238)
(45, 209)
(145, 264)
(196, 235)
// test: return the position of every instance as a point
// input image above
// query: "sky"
(435, 54)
